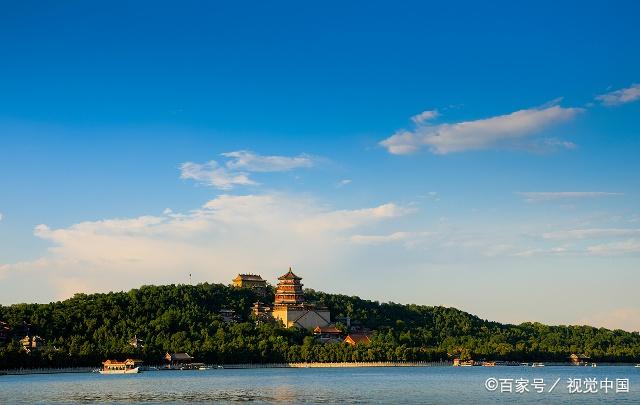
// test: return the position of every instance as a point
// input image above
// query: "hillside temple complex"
(290, 307)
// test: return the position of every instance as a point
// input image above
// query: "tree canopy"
(87, 329)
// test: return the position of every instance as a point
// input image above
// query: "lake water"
(388, 385)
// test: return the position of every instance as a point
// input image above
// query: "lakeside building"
(250, 281)
(327, 334)
(578, 359)
(291, 308)
(354, 339)
(178, 360)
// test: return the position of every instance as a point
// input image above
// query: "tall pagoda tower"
(289, 290)
(291, 308)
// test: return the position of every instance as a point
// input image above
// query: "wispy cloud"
(543, 196)
(235, 171)
(553, 251)
(425, 116)
(252, 162)
(343, 183)
(1, 216)
(478, 134)
(212, 174)
(392, 237)
(630, 246)
(622, 96)
(596, 233)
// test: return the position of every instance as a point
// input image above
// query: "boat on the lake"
(537, 365)
(129, 366)
(464, 363)
(637, 365)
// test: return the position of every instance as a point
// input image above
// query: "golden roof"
(289, 276)
(252, 277)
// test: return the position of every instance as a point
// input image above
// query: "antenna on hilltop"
(189, 278)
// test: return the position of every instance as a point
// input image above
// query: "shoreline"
(242, 366)
(342, 364)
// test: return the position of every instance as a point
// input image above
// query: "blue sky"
(476, 156)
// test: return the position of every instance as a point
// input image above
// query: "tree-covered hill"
(86, 329)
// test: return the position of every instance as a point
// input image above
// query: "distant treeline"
(87, 329)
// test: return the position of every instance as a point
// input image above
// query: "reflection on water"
(403, 385)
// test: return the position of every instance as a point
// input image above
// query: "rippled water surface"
(394, 385)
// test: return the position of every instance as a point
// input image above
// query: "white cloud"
(555, 251)
(212, 174)
(543, 196)
(1, 216)
(227, 235)
(235, 171)
(478, 134)
(425, 116)
(393, 237)
(343, 183)
(597, 233)
(251, 162)
(622, 96)
(551, 144)
(630, 246)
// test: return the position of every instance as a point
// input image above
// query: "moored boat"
(129, 366)
(466, 363)
(537, 365)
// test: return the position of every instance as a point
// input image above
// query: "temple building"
(136, 342)
(355, 339)
(31, 343)
(261, 311)
(178, 360)
(327, 334)
(290, 307)
(578, 359)
(250, 281)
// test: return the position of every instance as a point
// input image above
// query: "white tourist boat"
(537, 365)
(637, 365)
(129, 366)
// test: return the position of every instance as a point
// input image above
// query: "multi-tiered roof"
(289, 290)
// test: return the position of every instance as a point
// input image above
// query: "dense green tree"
(86, 329)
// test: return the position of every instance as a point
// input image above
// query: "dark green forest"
(87, 329)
